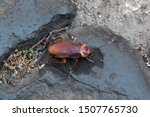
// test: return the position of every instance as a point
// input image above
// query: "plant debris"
(21, 62)
(17, 65)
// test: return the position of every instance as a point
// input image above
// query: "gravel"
(127, 18)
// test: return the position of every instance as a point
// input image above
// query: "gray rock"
(19, 19)
(117, 77)
(127, 18)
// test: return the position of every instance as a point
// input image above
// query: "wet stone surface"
(19, 19)
(115, 74)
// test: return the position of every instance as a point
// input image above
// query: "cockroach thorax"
(85, 51)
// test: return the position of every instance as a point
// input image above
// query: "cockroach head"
(85, 51)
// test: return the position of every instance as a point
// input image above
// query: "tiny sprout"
(28, 53)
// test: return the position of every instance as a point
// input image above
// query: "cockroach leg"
(90, 60)
(72, 67)
(72, 37)
(61, 39)
(64, 60)
(76, 61)
(70, 72)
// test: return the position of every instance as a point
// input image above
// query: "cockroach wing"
(65, 50)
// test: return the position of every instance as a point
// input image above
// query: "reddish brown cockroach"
(70, 49)
(66, 49)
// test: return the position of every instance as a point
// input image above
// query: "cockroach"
(66, 49)
(70, 49)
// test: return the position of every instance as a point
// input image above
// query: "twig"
(35, 45)
(46, 39)
(58, 30)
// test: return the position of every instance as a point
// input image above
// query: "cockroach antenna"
(89, 59)
(88, 39)
(103, 45)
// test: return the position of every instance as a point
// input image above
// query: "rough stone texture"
(119, 77)
(19, 19)
(127, 18)
(114, 74)
(6, 6)
(52, 86)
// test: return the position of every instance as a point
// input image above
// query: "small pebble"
(148, 64)
(41, 66)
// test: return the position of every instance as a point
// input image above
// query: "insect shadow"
(82, 67)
